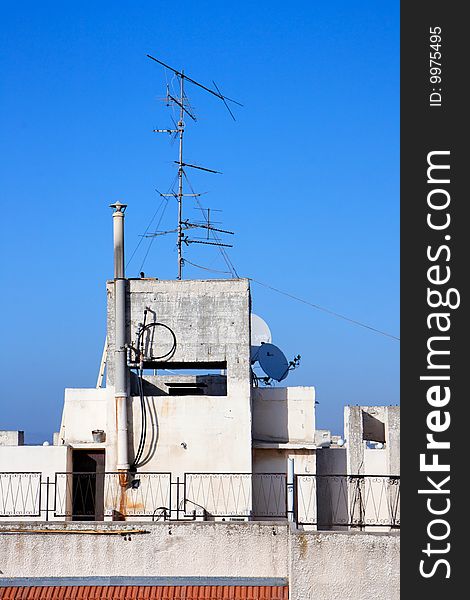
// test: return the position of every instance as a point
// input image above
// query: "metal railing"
(20, 494)
(323, 501)
(93, 496)
(329, 501)
(257, 495)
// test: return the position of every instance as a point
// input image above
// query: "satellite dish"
(273, 362)
(260, 334)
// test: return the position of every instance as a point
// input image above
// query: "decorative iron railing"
(332, 501)
(93, 496)
(20, 494)
(323, 501)
(258, 495)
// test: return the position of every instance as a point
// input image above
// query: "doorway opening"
(88, 485)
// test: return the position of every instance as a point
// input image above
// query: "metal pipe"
(290, 489)
(120, 363)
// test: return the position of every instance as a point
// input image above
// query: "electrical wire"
(140, 383)
(143, 413)
(206, 268)
(149, 326)
(154, 237)
(333, 313)
(146, 231)
(326, 310)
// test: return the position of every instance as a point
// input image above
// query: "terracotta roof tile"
(191, 592)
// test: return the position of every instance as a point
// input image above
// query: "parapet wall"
(346, 565)
(351, 566)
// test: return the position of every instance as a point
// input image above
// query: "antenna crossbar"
(210, 228)
(183, 76)
(198, 167)
(175, 195)
(208, 243)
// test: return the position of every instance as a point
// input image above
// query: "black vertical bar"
(39, 514)
(177, 498)
(434, 128)
(47, 498)
(170, 506)
(296, 507)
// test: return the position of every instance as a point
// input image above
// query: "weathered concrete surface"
(355, 566)
(210, 319)
(284, 414)
(84, 410)
(211, 323)
(175, 549)
(354, 419)
(392, 432)
(350, 566)
(11, 438)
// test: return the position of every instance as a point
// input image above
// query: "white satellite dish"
(273, 362)
(260, 334)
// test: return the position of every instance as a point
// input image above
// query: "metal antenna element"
(185, 108)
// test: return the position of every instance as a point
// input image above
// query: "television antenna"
(182, 103)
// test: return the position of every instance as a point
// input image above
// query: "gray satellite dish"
(260, 334)
(273, 362)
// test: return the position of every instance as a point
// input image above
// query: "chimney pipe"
(120, 362)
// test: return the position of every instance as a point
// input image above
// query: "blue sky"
(310, 181)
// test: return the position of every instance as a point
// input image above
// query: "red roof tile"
(190, 592)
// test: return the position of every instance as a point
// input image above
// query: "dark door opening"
(88, 485)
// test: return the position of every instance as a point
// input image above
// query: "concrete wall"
(176, 549)
(331, 461)
(210, 319)
(375, 461)
(193, 434)
(211, 322)
(84, 410)
(274, 460)
(284, 414)
(11, 438)
(329, 566)
(356, 566)
(354, 423)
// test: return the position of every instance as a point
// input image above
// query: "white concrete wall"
(350, 566)
(346, 566)
(375, 461)
(176, 549)
(11, 438)
(210, 319)
(274, 460)
(284, 414)
(211, 322)
(84, 410)
(356, 446)
(193, 434)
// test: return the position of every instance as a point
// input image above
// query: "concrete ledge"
(126, 526)
(142, 581)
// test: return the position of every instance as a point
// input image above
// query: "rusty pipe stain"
(123, 483)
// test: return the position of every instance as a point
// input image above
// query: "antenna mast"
(180, 180)
(184, 107)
